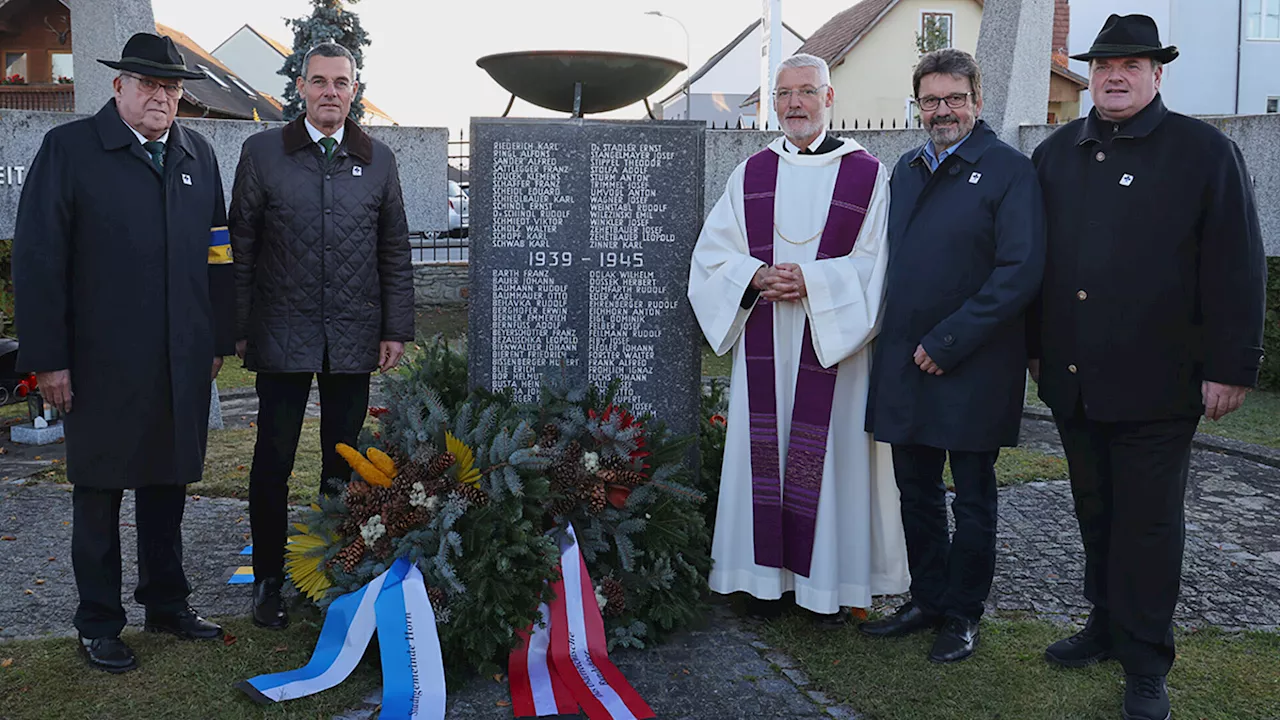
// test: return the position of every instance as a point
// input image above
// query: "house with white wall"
(258, 58)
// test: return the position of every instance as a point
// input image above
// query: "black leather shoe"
(906, 620)
(957, 641)
(1146, 698)
(109, 654)
(268, 608)
(185, 624)
(1090, 645)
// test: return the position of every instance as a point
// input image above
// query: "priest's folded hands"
(782, 282)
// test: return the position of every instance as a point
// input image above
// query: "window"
(1264, 20)
(1273, 104)
(61, 65)
(209, 74)
(242, 86)
(15, 63)
(935, 31)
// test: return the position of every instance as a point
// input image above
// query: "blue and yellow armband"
(219, 246)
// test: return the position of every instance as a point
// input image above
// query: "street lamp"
(688, 88)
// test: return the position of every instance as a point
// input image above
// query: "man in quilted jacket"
(324, 287)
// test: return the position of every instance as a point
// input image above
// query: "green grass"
(230, 454)
(1019, 465)
(1217, 676)
(233, 375)
(47, 679)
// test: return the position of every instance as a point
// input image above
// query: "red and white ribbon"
(564, 665)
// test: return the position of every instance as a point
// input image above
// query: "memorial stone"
(581, 234)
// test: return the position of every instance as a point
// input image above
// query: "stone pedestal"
(581, 234)
(1014, 52)
(28, 434)
(100, 29)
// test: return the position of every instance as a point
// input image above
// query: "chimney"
(1061, 26)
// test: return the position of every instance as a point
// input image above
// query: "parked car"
(459, 210)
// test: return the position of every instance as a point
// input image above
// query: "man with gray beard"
(967, 246)
(788, 273)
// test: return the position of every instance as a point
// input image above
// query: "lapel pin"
(1126, 179)
(974, 178)
(186, 179)
(357, 171)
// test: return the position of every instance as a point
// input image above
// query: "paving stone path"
(1231, 579)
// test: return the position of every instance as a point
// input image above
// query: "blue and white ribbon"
(395, 604)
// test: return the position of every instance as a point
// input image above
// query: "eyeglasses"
(150, 86)
(954, 100)
(805, 93)
(340, 84)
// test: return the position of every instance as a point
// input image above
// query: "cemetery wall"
(440, 284)
(421, 156)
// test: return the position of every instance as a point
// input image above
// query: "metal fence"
(446, 246)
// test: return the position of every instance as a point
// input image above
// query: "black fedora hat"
(1129, 36)
(154, 56)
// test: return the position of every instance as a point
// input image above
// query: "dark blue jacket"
(966, 255)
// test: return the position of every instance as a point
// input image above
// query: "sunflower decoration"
(465, 461)
(304, 560)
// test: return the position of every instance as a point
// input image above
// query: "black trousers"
(95, 555)
(1128, 480)
(282, 404)
(949, 575)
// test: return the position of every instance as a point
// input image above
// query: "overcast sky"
(421, 66)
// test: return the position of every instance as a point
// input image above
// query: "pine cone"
(616, 595)
(564, 475)
(473, 494)
(410, 473)
(631, 478)
(439, 464)
(563, 506)
(549, 437)
(599, 498)
(609, 477)
(613, 462)
(351, 555)
(439, 601)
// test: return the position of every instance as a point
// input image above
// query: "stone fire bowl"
(609, 80)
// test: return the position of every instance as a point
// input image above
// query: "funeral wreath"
(477, 491)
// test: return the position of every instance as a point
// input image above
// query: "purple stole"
(785, 521)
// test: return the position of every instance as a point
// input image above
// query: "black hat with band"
(1129, 36)
(153, 56)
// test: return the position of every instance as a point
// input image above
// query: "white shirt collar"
(142, 138)
(813, 146)
(316, 134)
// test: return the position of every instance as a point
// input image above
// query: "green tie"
(155, 148)
(328, 144)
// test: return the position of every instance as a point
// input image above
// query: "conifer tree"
(329, 20)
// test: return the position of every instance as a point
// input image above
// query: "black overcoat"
(1156, 274)
(114, 281)
(966, 254)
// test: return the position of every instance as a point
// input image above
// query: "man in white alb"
(789, 273)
